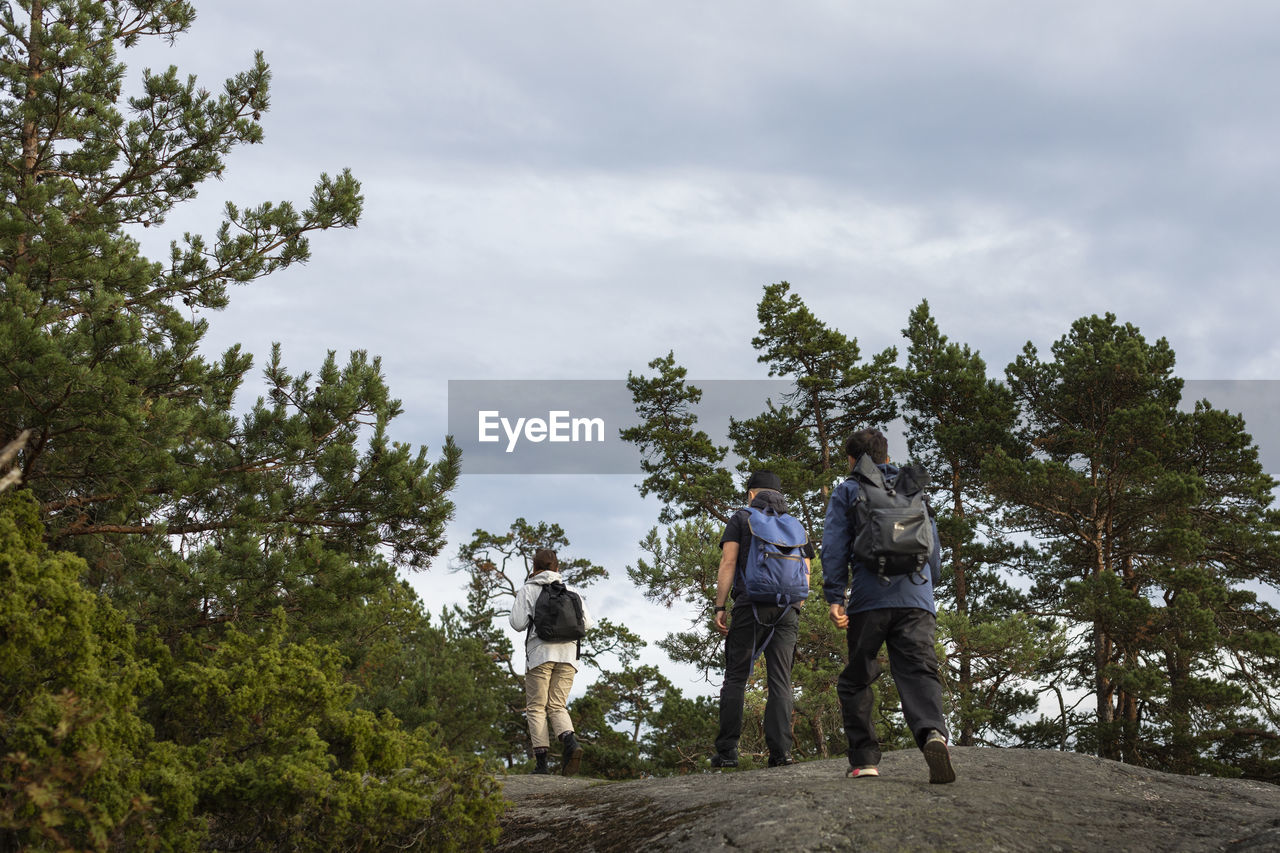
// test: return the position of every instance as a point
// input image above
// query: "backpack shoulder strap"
(859, 493)
(743, 514)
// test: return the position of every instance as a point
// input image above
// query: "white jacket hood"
(544, 578)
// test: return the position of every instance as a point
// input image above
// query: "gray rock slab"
(1003, 800)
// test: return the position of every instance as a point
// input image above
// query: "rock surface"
(1004, 800)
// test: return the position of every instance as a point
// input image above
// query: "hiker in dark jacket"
(751, 627)
(549, 670)
(898, 610)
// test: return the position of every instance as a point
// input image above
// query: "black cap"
(765, 480)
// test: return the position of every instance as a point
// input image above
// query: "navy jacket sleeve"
(836, 544)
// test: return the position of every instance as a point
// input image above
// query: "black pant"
(908, 631)
(746, 633)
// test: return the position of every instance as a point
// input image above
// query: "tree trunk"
(30, 131)
(963, 651)
(820, 735)
(1107, 746)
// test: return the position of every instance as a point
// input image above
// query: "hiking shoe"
(572, 754)
(938, 757)
(540, 764)
(719, 760)
(782, 760)
(860, 772)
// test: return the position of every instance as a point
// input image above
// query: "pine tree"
(683, 468)
(820, 656)
(78, 768)
(134, 443)
(680, 732)
(422, 670)
(802, 440)
(955, 416)
(256, 546)
(1155, 522)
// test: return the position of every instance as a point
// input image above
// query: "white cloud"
(566, 190)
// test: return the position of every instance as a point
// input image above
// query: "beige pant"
(546, 689)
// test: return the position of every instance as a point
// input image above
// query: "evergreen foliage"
(1102, 541)
(820, 656)
(205, 641)
(955, 416)
(684, 469)
(111, 743)
(680, 731)
(1157, 532)
(422, 670)
(212, 627)
(282, 760)
(79, 767)
(801, 438)
(624, 717)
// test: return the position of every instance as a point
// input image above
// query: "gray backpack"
(893, 534)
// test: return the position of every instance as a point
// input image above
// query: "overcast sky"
(559, 190)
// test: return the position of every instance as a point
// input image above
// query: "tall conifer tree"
(257, 545)
(188, 514)
(955, 416)
(801, 438)
(1155, 522)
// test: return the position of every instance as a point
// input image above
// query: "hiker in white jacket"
(550, 666)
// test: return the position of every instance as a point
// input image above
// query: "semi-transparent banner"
(524, 426)
(572, 426)
(1257, 400)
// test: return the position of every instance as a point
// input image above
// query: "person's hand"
(838, 616)
(722, 622)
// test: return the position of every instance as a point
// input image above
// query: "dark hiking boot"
(540, 767)
(572, 754)
(719, 760)
(782, 760)
(938, 757)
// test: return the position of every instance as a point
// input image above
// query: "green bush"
(285, 763)
(78, 766)
(112, 742)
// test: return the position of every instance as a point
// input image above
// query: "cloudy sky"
(565, 190)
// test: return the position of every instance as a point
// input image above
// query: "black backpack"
(557, 614)
(890, 521)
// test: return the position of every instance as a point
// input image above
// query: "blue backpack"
(775, 571)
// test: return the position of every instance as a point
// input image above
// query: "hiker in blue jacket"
(771, 626)
(550, 667)
(896, 610)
